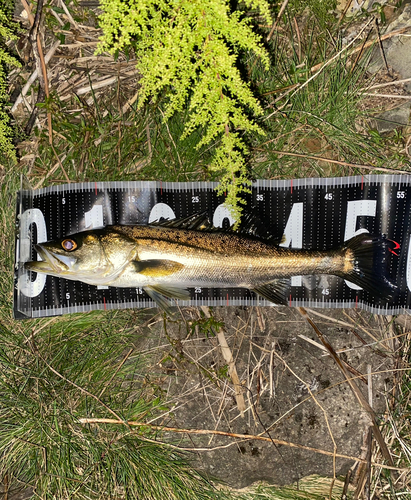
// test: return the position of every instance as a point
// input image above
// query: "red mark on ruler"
(362, 183)
(95, 187)
(290, 300)
(397, 246)
(104, 302)
(227, 298)
(291, 186)
(356, 301)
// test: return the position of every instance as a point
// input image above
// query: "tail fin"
(368, 256)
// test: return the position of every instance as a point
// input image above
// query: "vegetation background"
(232, 92)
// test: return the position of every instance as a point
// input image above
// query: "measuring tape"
(310, 213)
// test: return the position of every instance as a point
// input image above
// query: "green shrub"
(7, 29)
(189, 49)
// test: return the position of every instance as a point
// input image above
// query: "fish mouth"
(50, 263)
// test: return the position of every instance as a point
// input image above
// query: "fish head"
(94, 257)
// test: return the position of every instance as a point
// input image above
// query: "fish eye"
(69, 245)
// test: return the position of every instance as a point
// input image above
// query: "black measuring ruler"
(311, 213)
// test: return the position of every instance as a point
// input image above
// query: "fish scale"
(165, 258)
(222, 259)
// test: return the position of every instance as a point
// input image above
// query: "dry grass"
(263, 369)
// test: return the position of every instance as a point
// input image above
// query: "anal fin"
(173, 292)
(158, 293)
(276, 291)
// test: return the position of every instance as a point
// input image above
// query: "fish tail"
(366, 263)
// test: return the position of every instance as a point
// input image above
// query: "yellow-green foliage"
(6, 33)
(189, 48)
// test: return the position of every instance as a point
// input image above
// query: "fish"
(167, 257)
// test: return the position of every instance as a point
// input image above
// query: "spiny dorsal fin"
(250, 226)
(195, 222)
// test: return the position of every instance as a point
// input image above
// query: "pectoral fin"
(158, 293)
(276, 291)
(156, 268)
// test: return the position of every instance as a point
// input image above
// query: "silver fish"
(167, 257)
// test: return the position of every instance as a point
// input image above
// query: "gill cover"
(94, 257)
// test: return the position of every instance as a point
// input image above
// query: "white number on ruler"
(139, 291)
(195, 199)
(33, 216)
(197, 289)
(67, 296)
(221, 213)
(161, 210)
(326, 291)
(400, 194)
(63, 201)
(293, 233)
(94, 218)
(355, 209)
(328, 196)
(132, 199)
(260, 197)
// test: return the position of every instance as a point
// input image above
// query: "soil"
(293, 390)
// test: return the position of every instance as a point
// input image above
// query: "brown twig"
(368, 44)
(35, 40)
(377, 29)
(360, 52)
(283, 6)
(132, 423)
(298, 38)
(52, 170)
(388, 96)
(69, 16)
(351, 369)
(344, 12)
(369, 452)
(33, 77)
(28, 10)
(347, 481)
(60, 163)
(387, 84)
(228, 357)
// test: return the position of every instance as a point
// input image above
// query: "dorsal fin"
(196, 222)
(250, 226)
